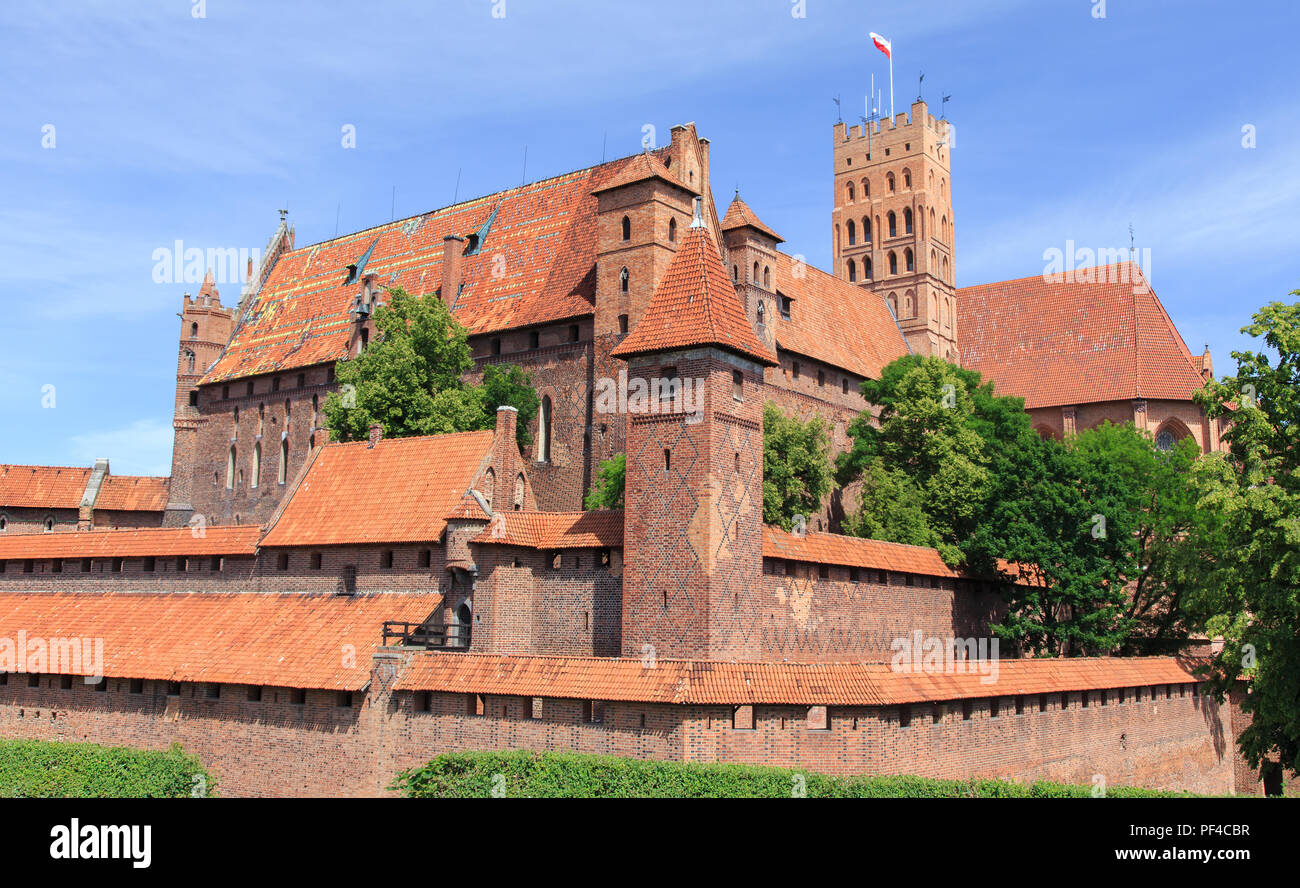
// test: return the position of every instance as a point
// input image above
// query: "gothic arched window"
(853, 271)
(543, 450)
(627, 228)
(623, 280)
(893, 224)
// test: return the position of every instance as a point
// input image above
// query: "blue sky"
(169, 126)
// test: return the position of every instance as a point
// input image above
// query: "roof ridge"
(339, 444)
(393, 223)
(1042, 276)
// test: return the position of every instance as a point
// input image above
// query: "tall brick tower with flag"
(694, 488)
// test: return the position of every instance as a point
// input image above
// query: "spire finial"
(698, 221)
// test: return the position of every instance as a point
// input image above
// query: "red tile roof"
(832, 548)
(638, 168)
(695, 304)
(42, 487)
(129, 493)
(468, 509)
(1100, 336)
(285, 640)
(157, 541)
(546, 231)
(556, 530)
(813, 684)
(834, 321)
(401, 490)
(739, 215)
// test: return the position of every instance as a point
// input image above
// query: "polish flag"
(883, 45)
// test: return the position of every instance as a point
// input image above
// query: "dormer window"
(471, 244)
(783, 303)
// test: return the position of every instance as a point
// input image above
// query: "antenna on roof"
(455, 194)
(604, 139)
(338, 210)
(524, 178)
(392, 210)
(919, 87)
(839, 118)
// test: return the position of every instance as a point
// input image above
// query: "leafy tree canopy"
(409, 379)
(607, 492)
(1248, 544)
(796, 466)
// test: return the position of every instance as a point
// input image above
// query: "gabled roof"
(639, 168)
(695, 304)
(289, 640)
(834, 321)
(1099, 335)
(546, 230)
(703, 682)
(42, 487)
(600, 529)
(739, 215)
(400, 490)
(847, 551)
(161, 542)
(63, 487)
(140, 493)
(468, 509)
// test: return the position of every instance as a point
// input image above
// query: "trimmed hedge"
(37, 769)
(525, 774)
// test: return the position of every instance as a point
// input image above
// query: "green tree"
(891, 508)
(507, 385)
(939, 430)
(607, 492)
(409, 379)
(1249, 543)
(796, 466)
(953, 465)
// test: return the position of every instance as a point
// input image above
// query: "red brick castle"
(311, 616)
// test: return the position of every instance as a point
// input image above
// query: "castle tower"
(694, 484)
(641, 215)
(892, 223)
(751, 258)
(206, 327)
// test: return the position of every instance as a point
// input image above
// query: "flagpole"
(891, 84)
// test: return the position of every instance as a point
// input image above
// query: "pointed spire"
(698, 221)
(739, 215)
(695, 305)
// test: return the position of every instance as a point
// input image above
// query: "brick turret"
(206, 326)
(694, 487)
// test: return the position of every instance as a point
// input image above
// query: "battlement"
(919, 118)
(205, 301)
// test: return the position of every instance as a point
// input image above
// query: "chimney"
(452, 249)
(376, 434)
(507, 418)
